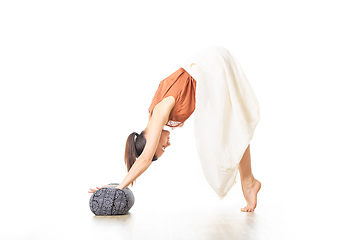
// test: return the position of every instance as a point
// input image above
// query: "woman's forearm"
(136, 170)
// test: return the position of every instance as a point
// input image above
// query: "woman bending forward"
(226, 115)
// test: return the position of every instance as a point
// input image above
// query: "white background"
(77, 77)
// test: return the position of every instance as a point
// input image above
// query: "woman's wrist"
(121, 186)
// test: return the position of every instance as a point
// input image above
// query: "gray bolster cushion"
(111, 201)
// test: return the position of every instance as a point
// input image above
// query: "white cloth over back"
(226, 115)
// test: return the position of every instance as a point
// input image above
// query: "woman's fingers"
(92, 190)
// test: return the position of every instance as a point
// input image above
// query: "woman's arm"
(159, 118)
(153, 130)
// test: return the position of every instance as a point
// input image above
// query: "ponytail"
(135, 145)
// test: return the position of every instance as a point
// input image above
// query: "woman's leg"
(250, 186)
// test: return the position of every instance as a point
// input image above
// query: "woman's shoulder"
(164, 107)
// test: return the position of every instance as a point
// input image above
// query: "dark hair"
(135, 145)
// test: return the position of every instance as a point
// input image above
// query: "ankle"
(248, 182)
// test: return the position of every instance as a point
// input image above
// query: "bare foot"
(250, 194)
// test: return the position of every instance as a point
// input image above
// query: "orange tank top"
(182, 87)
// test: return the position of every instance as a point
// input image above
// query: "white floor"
(183, 216)
(294, 203)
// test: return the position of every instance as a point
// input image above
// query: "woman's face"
(163, 143)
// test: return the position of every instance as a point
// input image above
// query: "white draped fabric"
(226, 115)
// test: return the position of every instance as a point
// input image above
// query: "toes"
(247, 209)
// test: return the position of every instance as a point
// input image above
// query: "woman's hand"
(92, 190)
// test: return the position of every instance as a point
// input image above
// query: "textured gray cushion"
(111, 201)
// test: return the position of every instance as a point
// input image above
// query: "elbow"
(145, 160)
(144, 164)
(147, 157)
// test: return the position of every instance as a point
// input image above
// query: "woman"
(226, 115)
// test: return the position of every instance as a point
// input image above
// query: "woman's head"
(163, 143)
(135, 145)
